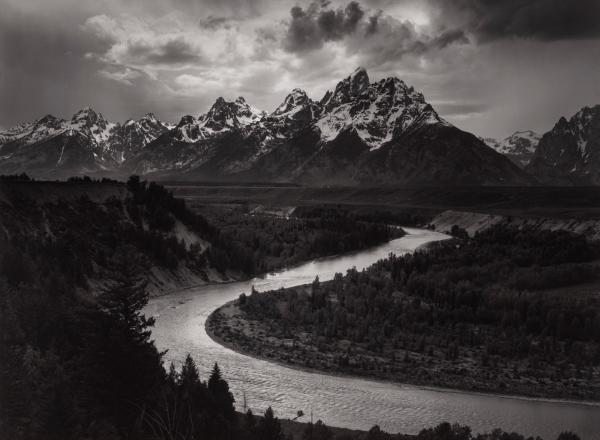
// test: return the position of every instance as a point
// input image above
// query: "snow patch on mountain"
(108, 141)
(519, 146)
(376, 112)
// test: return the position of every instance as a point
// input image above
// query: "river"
(345, 401)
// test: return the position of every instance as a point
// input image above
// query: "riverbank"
(230, 327)
(341, 399)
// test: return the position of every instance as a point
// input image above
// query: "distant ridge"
(361, 133)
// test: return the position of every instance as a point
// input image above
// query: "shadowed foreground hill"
(77, 227)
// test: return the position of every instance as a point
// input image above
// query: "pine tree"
(189, 376)
(568, 435)
(269, 427)
(219, 389)
(127, 296)
(215, 377)
(317, 431)
(249, 420)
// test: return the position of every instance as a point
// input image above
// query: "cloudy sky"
(488, 66)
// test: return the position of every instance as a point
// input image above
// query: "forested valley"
(484, 313)
(77, 365)
(269, 242)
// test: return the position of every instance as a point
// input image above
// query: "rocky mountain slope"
(518, 147)
(360, 133)
(570, 152)
(85, 144)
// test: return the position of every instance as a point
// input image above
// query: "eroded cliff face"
(474, 222)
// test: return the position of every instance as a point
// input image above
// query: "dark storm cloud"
(212, 22)
(175, 51)
(447, 38)
(230, 8)
(376, 34)
(311, 27)
(536, 19)
(44, 70)
(173, 57)
(372, 25)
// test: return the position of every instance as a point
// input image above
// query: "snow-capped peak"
(295, 101)
(150, 117)
(93, 125)
(350, 88)
(359, 81)
(87, 115)
(377, 112)
(519, 146)
(580, 125)
(225, 115)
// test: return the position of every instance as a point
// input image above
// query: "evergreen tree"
(128, 295)
(189, 377)
(269, 427)
(249, 420)
(568, 435)
(317, 431)
(219, 390)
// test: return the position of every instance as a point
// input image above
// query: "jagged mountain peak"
(570, 152)
(579, 124)
(225, 115)
(186, 120)
(396, 86)
(295, 101)
(584, 116)
(48, 118)
(561, 124)
(359, 80)
(362, 131)
(377, 112)
(350, 88)
(87, 114)
(149, 117)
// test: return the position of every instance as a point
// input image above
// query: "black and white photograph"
(299, 219)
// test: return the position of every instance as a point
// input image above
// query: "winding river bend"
(346, 401)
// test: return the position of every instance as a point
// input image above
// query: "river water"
(346, 401)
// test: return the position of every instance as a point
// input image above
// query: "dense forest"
(79, 228)
(473, 313)
(269, 242)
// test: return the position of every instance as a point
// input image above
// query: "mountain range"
(361, 132)
(86, 144)
(518, 147)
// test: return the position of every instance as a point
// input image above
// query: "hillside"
(81, 225)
